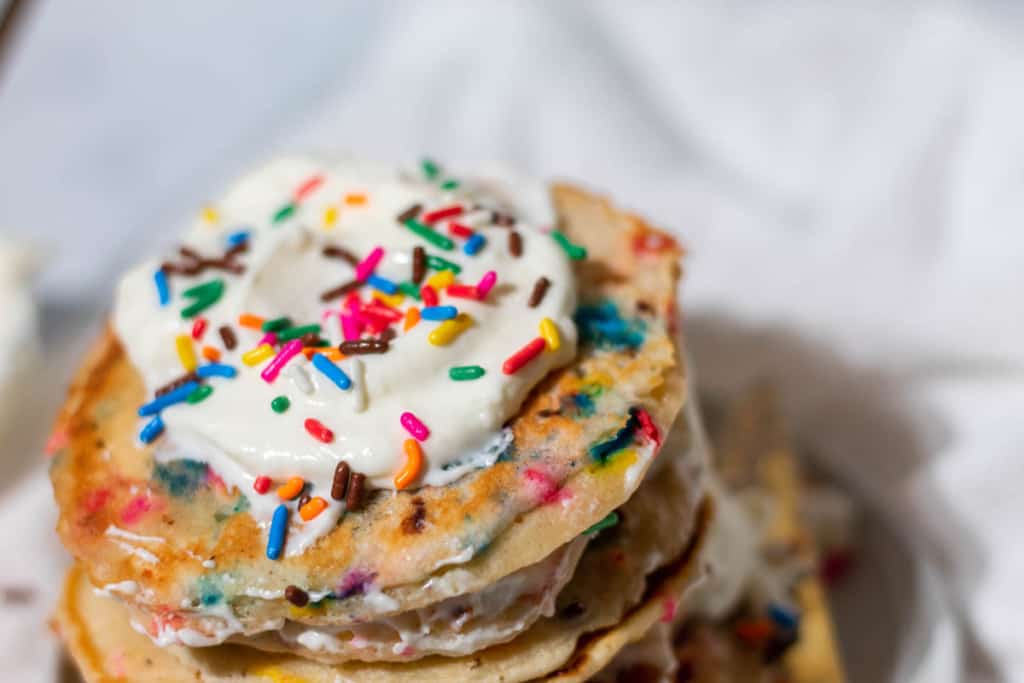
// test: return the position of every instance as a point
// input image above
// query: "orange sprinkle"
(331, 352)
(754, 631)
(291, 488)
(211, 353)
(253, 322)
(355, 199)
(413, 464)
(313, 508)
(412, 316)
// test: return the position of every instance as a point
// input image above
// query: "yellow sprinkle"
(441, 279)
(549, 330)
(617, 463)
(186, 352)
(393, 300)
(210, 214)
(330, 217)
(599, 377)
(258, 355)
(446, 332)
(303, 612)
(277, 675)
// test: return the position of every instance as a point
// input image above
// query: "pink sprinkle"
(287, 352)
(486, 284)
(668, 611)
(412, 424)
(368, 264)
(307, 188)
(546, 489)
(350, 328)
(138, 506)
(270, 339)
(58, 440)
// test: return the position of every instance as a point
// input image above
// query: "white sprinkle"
(300, 378)
(358, 372)
(209, 564)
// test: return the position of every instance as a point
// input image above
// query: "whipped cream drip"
(235, 429)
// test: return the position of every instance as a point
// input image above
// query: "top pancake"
(190, 547)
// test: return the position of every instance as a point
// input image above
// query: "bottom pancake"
(97, 632)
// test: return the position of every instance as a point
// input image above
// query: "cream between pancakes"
(235, 429)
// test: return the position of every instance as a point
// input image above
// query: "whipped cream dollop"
(286, 214)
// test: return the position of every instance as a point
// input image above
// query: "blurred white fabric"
(850, 182)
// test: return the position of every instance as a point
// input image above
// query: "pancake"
(756, 460)
(170, 538)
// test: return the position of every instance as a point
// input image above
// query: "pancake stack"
(377, 425)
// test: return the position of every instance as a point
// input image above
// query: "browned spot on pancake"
(416, 520)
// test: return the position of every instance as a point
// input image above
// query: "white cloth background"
(850, 182)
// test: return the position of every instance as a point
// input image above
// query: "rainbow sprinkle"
(163, 292)
(332, 372)
(278, 529)
(414, 426)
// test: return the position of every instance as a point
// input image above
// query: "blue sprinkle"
(216, 370)
(168, 399)
(601, 451)
(474, 244)
(783, 616)
(153, 429)
(382, 284)
(236, 238)
(162, 290)
(331, 371)
(278, 527)
(439, 313)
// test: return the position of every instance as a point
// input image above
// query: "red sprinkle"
(459, 230)
(198, 328)
(429, 295)
(381, 310)
(440, 214)
(647, 426)
(462, 292)
(307, 187)
(523, 356)
(652, 243)
(262, 484)
(317, 430)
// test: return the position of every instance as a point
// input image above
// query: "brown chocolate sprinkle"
(416, 521)
(515, 244)
(409, 213)
(355, 347)
(310, 339)
(388, 334)
(194, 263)
(333, 251)
(303, 499)
(296, 596)
(419, 265)
(340, 290)
(175, 383)
(340, 484)
(227, 335)
(503, 219)
(354, 497)
(540, 288)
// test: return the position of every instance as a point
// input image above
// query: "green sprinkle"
(409, 289)
(200, 394)
(438, 263)
(283, 213)
(573, 251)
(466, 372)
(276, 324)
(430, 168)
(205, 295)
(450, 185)
(435, 238)
(296, 332)
(280, 404)
(607, 523)
(204, 288)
